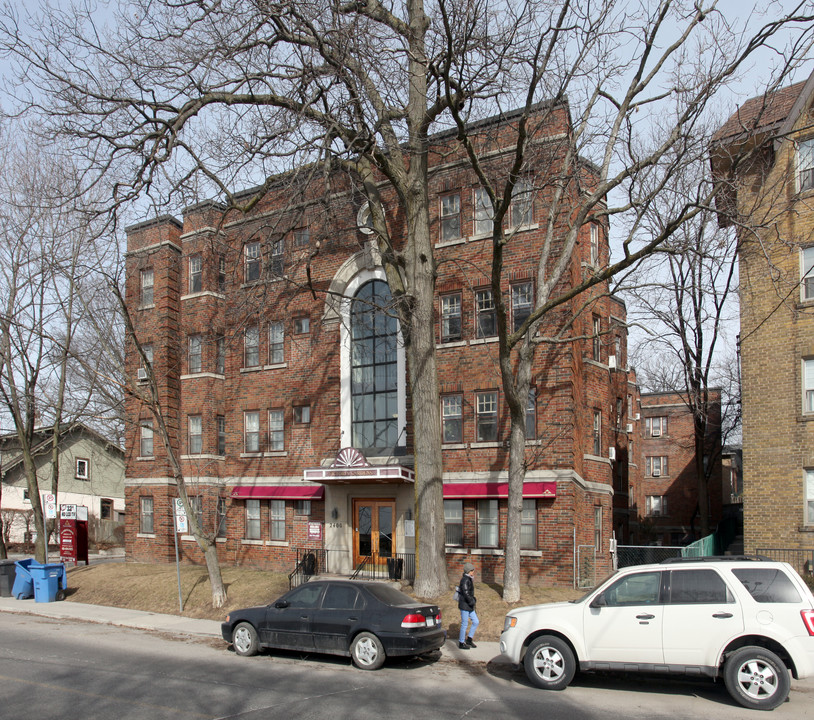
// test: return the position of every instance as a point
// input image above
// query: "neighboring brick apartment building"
(287, 390)
(765, 154)
(665, 500)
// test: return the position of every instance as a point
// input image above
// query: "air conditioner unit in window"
(655, 433)
(142, 373)
(630, 427)
(612, 362)
(656, 473)
(612, 453)
(638, 416)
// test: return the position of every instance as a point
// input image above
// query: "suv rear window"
(768, 585)
(697, 587)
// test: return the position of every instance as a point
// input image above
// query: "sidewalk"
(141, 620)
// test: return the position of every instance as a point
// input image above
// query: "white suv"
(748, 619)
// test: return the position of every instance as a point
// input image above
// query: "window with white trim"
(220, 512)
(521, 209)
(146, 516)
(452, 418)
(487, 523)
(656, 506)
(195, 435)
(450, 217)
(655, 426)
(655, 466)
(278, 258)
(597, 433)
(522, 302)
(454, 522)
(485, 317)
(451, 317)
(220, 355)
(808, 385)
(276, 431)
(594, 257)
(528, 525)
(82, 469)
(276, 343)
(277, 520)
(531, 414)
(805, 165)
(251, 431)
(196, 503)
(483, 212)
(220, 422)
(809, 497)
(146, 441)
(486, 416)
(195, 273)
(251, 347)
(251, 261)
(807, 273)
(147, 287)
(221, 273)
(195, 356)
(252, 519)
(596, 342)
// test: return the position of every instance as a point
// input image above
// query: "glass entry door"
(373, 528)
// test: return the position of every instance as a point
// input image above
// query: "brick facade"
(771, 199)
(305, 283)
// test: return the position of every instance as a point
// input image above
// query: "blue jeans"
(466, 616)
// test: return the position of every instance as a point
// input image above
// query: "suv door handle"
(722, 615)
(645, 616)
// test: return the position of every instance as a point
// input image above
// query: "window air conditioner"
(142, 373)
(638, 416)
(655, 433)
(656, 473)
(612, 362)
(612, 453)
(630, 427)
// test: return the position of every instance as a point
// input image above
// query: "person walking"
(466, 604)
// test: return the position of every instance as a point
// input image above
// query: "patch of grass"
(154, 587)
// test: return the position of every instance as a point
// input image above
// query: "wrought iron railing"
(801, 560)
(310, 562)
(395, 566)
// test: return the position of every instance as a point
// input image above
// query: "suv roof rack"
(718, 558)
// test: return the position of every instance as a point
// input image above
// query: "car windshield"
(591, 591)
(389, 595)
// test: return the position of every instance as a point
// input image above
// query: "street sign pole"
(180, 521)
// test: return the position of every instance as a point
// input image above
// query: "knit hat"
(468, 567)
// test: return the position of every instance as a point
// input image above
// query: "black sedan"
(368, 621)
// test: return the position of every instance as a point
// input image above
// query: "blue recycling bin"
(23, 582)
(49, 581)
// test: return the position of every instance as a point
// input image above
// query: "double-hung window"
(487, 523)
(146, 443)
(805, 165)
(655, 426)
(196, 502)
(450, 217)
(451, 317)
(594, 257)
(486, 416)
(195, 353)
(278, 258)
(276, 431)
(483, 212)
(522, 203)
(251, 432)
(251, 261)
(252, 519)
(485, 318)
(195, 273)
(655, 466)
(531, 414)
(808, 385)
(656, 505)
(220, 528)
(146, 515)
(522, 301)
(276, 343)
(807, 273)
(596, 341)
(454, 522)
(195, 435)
(220, 421)
(251, 340)
(147, 287)
(220, 355)
(301, 237)
(528, 525)
(597, 432)
(277, 520)
(452, 418)
(809, 497)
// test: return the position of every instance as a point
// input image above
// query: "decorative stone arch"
(368, 259)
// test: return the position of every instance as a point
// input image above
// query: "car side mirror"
(599, 601)
(280, 604)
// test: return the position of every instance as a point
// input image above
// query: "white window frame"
(276, 430)
(484, 213)
(252, 529)
(452, 426)
(655, 466)
(655, 426)
(450, 217)
(656, 506)
(451, 315)
(82, 469)
(808, 489)
(596, 434)
(485, 308)
(594, 245)
(807, 273)
(195, 354)
(147, 439)
(276, 343)
(252, 264)
(522, 209)
(454, 523)
(147, 287)
(251, 431)
(488, 523)
(195, 273)
(146, 520)
(195, 427)
(528, 524)
(805, 165)
(808, 386)
(522, 303)
(251, 346)
(277, 520)
(486, 415)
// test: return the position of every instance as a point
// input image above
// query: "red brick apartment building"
(764, 159)
(664, 501)
(286, 387)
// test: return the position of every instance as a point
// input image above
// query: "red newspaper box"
(73, 534)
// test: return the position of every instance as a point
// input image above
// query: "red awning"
(278, 492)
(498, 490)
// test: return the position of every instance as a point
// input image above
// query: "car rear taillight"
(414, 620)
(808, 620)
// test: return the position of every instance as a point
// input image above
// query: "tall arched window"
(374, 372)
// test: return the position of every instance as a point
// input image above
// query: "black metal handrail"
(393, 566)
(310, 562)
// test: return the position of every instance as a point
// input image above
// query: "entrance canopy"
(278, 492)
(455, 491)
(351, 467)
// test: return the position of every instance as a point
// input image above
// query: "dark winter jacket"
(466, 594)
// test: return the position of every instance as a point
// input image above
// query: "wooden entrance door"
(373, 529)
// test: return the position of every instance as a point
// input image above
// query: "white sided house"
(91, 473)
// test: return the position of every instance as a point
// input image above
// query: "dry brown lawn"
(155, 588)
